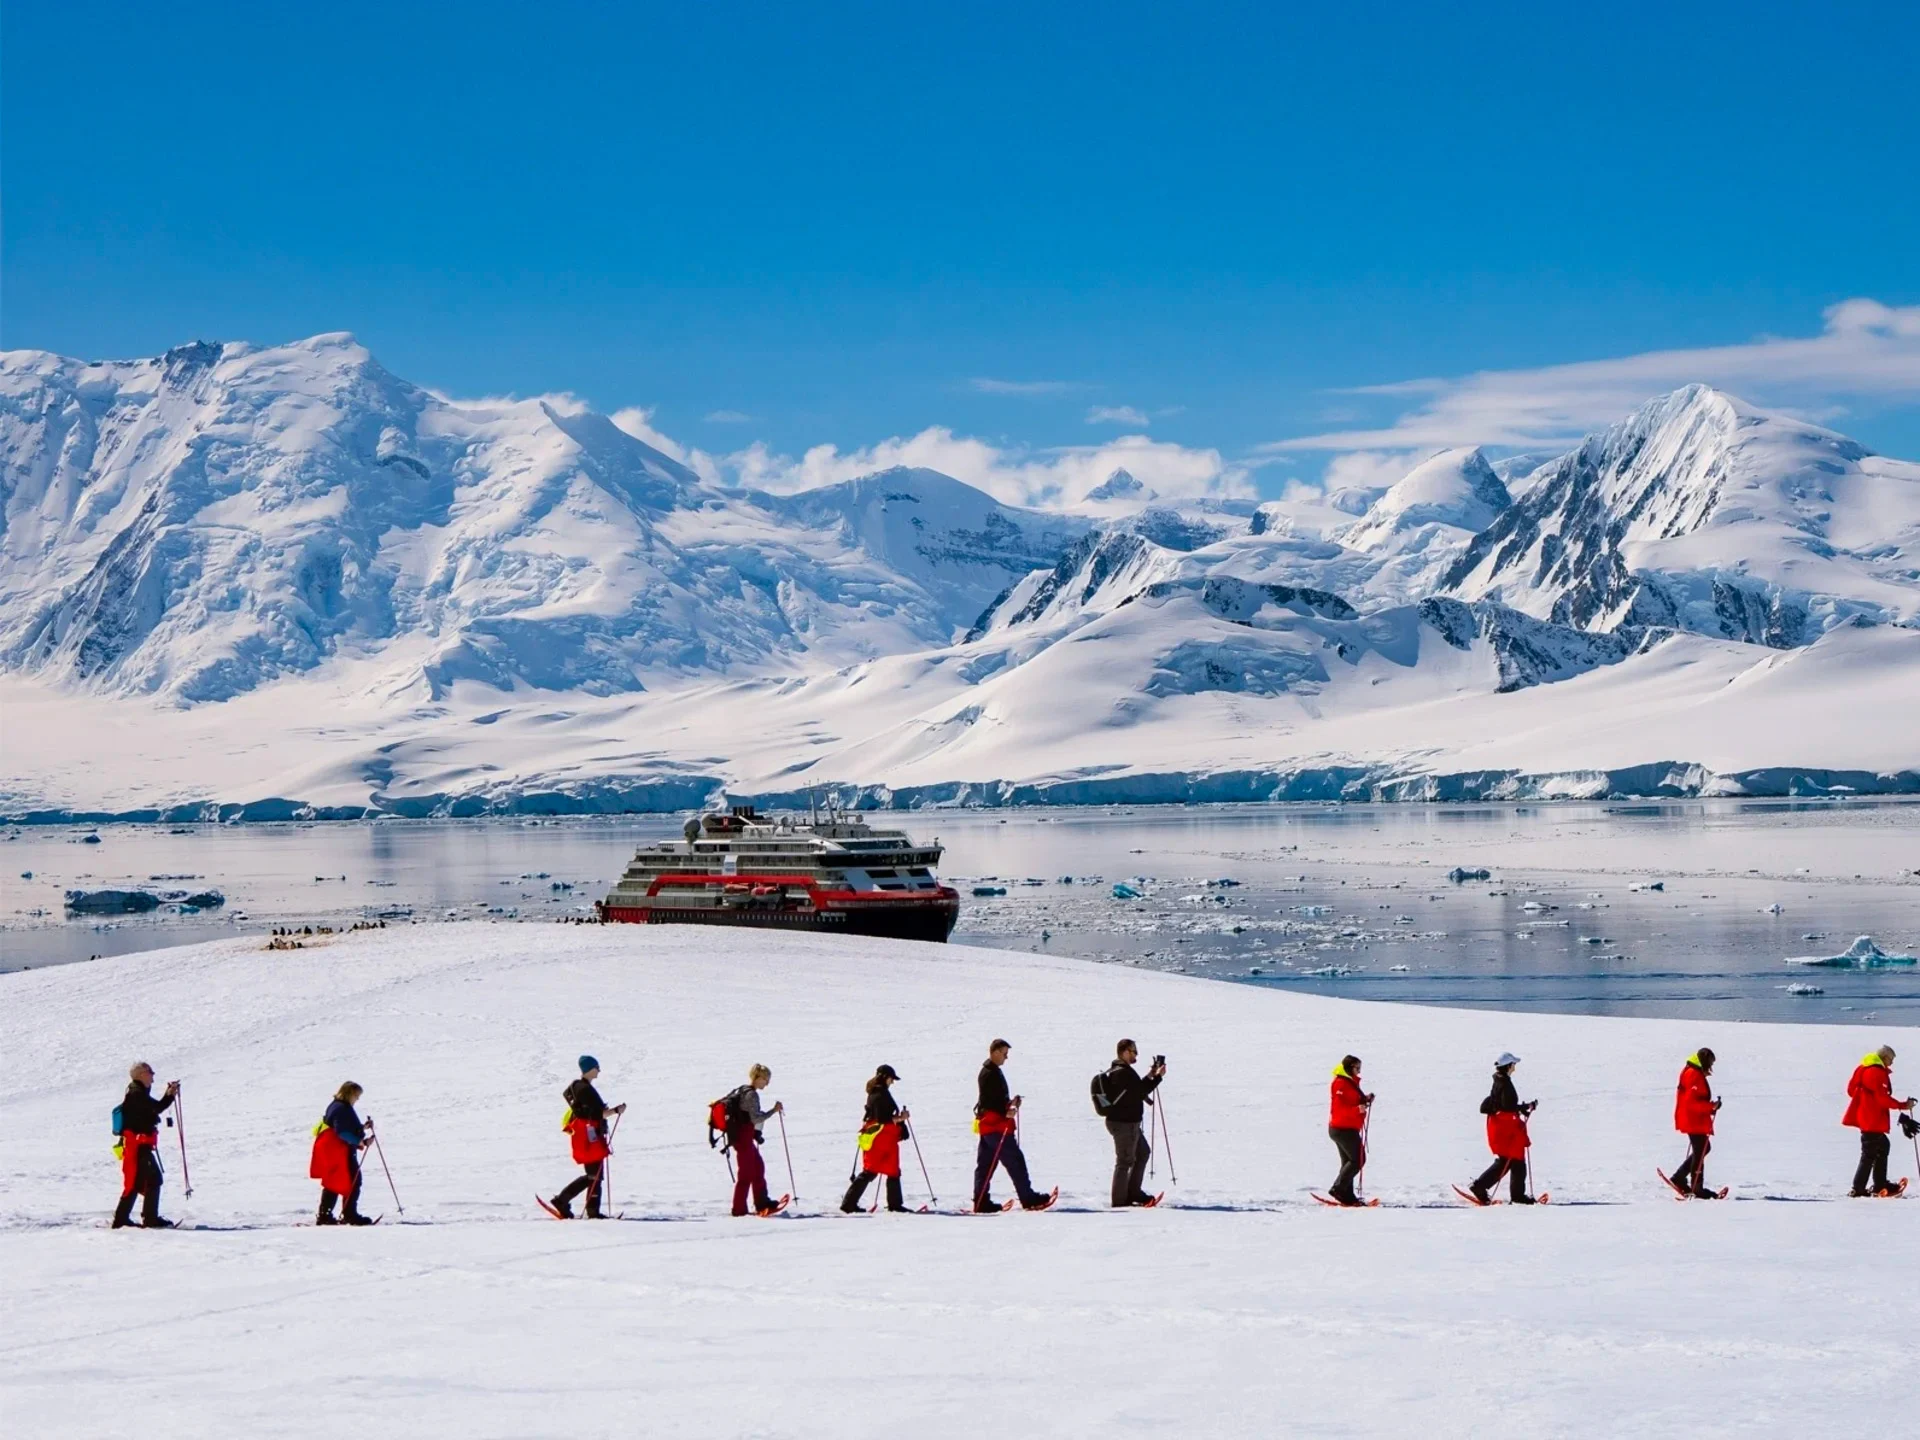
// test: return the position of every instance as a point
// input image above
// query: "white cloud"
(986, 385)
(1015, 475)
(1368, 469)
(728, 417)
(1865, 350)
(638, 422)
(1116, 415)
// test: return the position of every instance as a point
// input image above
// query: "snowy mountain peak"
(1701, 512)
(1455, 488)
(1120, 485)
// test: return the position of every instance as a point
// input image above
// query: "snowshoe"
(1152, 1201)
(1893, 1191)
(1344, 1204)
(558, 1212)
(158, 1224)
(1481, 1202)
(769, 1211)
(1045, 1202)
(1680, 1191)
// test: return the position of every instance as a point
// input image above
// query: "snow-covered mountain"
(277, 579)
(200, 524)
(1422, 525)
(1702, 513)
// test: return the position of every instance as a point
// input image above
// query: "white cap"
(1507, 1057)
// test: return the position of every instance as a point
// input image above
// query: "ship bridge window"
(881, 874)
(892, 885)
(920, 874)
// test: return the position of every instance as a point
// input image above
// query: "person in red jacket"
(1346, 1118)
(1870, 1107)
(1506, 1135)
(1693, 1110)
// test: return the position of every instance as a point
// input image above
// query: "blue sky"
(764, 229)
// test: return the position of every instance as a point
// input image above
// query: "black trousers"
(146, 1184)
(1353, 1156)
(328, 1197)
(589, 1181)
(895, 1199)
(1692, 1174)
(1131, 1152)
(1872, 1174)
(1490, 1177)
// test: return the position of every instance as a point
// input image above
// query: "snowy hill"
(203, 523)
(256, 582)
(1421, 526)
(1702, 513)
(469, 1314)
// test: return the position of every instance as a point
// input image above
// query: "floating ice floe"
(985, 890)
(1863, 954)
(1124, 891)
(1800, 987)
(1461, 873)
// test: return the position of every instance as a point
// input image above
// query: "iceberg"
(1863, 954)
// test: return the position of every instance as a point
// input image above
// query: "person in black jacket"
(1506, 1135)
(996, 1117)
(882, 1129)
(1128, 1093)
(587, 1124)
(140, 1172)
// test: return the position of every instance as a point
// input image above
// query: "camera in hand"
(1159, 1061)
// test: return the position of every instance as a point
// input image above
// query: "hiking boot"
(154, 1222)
(1524, 1200)
(325, 1217)
(355, 1218)
(121, 1224)
(1478, 1193)
(561, 1208)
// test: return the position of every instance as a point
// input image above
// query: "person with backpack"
(1506, 1135)
(882, 1129)
(137, 1122)
(1120, 1096)
(1346, 1118)
(1693, 1110)
(746, 1119)
(996, 1119)
(586, 1127)
(1870, 1107)
(337, 1142)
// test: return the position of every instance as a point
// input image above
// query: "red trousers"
(750, 1175)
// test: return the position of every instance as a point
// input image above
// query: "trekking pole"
(374, 1135)
(793, 1186)
(1366, 1150)
(605, 1184)
(1166, 1139)
(180, 1133)
(914, 1136)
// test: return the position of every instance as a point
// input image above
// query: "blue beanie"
(587, 1062)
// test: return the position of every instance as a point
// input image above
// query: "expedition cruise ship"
(835, 874)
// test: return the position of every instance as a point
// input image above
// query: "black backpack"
(1104, 1099)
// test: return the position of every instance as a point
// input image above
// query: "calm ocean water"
(1350, 900)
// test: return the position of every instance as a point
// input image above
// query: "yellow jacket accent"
(1340, 1071)
(1873, 1059)
(566, 1120)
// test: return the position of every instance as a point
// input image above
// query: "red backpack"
(722, 1116)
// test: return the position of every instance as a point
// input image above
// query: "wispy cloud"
(986, 385)
(1015, 475)
(1865, 350)
(728, 417)
(1117, 415)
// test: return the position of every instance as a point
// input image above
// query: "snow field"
(1248, 1310)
